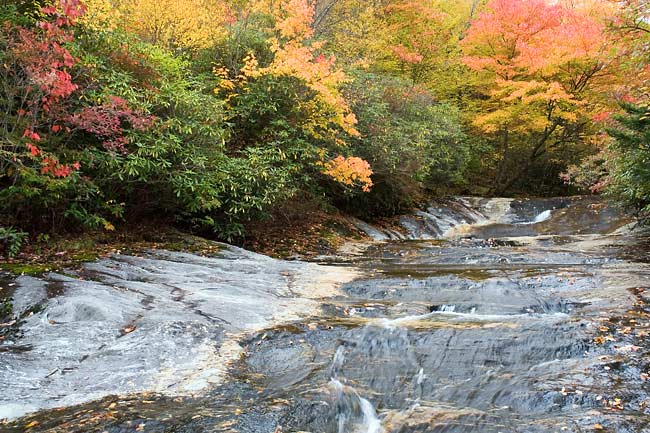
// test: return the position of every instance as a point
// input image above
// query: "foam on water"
(352, 406)
(371, 423)
(543, 216)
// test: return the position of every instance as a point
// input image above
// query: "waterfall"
(542, 216)
(441, 219)
(354, 414)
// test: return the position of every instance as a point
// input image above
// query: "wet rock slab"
(530, 316)
(166, 322)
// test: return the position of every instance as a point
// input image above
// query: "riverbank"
(284, 235)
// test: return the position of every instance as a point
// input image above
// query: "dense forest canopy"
(212, 113)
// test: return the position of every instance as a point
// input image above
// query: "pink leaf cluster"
(405, 55)
(515, 36)
(63, 13)
(46, 62)
(106, 122)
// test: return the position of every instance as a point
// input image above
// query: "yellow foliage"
(296, 55)
(100, 15)
(351, 171)
(171, 23)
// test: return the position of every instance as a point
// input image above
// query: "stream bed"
(479, 315)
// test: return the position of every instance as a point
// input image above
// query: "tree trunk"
(537, 151)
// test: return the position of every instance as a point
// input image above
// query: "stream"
(475, 315)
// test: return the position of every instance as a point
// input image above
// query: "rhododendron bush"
(46, 108)
(294, 100)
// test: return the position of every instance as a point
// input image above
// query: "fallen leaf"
(598, 427)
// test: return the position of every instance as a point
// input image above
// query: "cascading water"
(354, 413)
(442, 218)
(542, 217)
(513, 321)
(349, 405)
(463, 217)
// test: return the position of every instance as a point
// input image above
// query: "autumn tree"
(314, 109)
(542, 65)
(188, 24)
(37, 84)
(422, 38)
(40, 172)
(416, 40)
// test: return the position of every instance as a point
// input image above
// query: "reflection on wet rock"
(482, 315)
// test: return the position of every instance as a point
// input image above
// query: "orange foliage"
(351, 171)
(539, 54)
(295, 22)
(515, 36)
(296, 55)
(407, 56)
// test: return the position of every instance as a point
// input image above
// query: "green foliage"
(413, 143)
(245, 36)
(182, 168)
(12, 241)
(6, 308)
(630, 167)
(20, 12)
(204, 162)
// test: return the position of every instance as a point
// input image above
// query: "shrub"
(413, 144)
(629, 167)
(12, 241)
